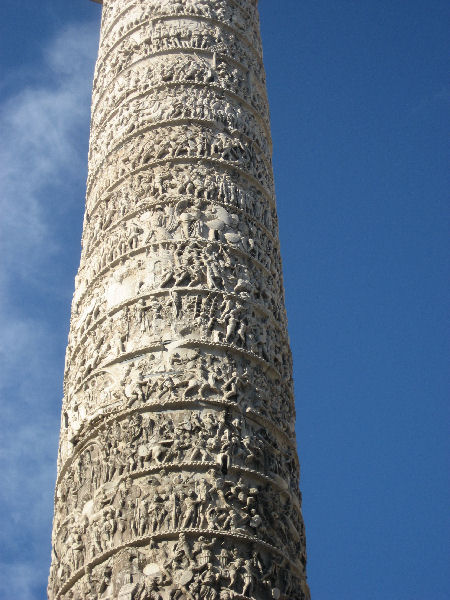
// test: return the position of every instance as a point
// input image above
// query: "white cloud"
(40, 167)
(39, 126)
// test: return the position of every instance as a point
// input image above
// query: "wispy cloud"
(41, 160)
(39, 129)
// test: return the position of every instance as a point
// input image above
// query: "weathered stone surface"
(177, 469)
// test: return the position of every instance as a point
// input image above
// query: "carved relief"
(212, 72)
(177, 104)
(239, 18)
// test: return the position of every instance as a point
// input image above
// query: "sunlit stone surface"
(177, 470)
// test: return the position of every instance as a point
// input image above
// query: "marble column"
(177, 471)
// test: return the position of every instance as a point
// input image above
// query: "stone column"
(177, 472)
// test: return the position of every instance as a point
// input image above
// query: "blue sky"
(359, 102)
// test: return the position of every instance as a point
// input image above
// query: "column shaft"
(177, 470)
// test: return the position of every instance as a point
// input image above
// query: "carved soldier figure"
(77, 546)
(248, 578)
(208, 583)
(203, 551)
(181, 554)
(190, 505)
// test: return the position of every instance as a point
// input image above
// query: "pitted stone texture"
(177, 470)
